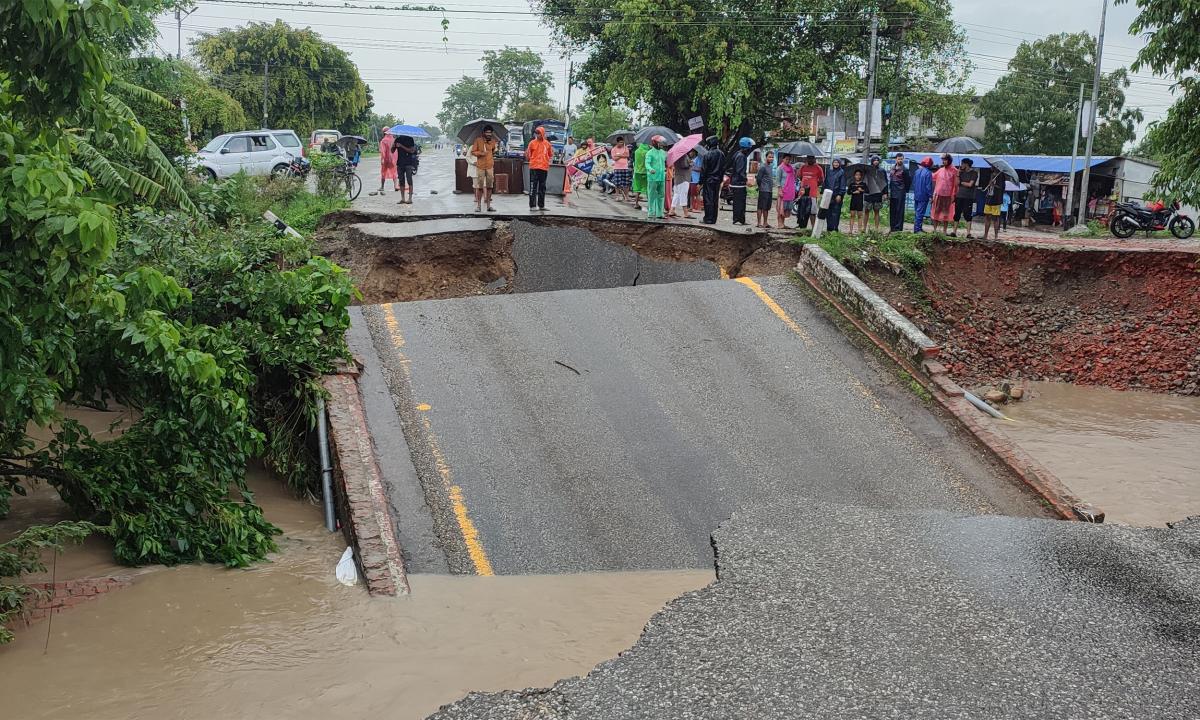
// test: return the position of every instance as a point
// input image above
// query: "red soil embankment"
(1115, 318)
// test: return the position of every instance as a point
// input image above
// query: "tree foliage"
(1032, 109)
(516, 76)
(531, 110)
(210, 110)
(1173, 49)
(466, 100)
(310, 83)
(744, 66)
(596, 119)
(119, 283)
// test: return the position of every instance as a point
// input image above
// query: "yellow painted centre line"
(775, 308)
(470, 534)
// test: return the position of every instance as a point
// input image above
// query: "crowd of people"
(791, 186)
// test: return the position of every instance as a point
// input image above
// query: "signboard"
(1085, 119)
(695, 123)
(876, 117)
(846, 146)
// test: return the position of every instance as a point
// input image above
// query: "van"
(255, 152)
(320, 137)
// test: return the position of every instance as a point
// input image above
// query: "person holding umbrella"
(737, 179)
(406, 165)
(993, 200)
(656, 178)
(712, 172)
(639, 174)
(964, 203)
(484, 152)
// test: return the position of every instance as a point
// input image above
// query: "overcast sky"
(401, 55)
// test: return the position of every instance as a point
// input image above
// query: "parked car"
(319, 137)
(256, 152)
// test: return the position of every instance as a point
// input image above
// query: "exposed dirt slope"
(1118, 319)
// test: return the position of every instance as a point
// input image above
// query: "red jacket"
(539, 151)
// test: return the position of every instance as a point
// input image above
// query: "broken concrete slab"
(831, 611)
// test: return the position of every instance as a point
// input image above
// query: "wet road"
(615, 429)
(828, 611)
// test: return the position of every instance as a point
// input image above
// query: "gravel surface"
(830, 611)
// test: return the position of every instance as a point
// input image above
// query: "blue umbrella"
(409, 130)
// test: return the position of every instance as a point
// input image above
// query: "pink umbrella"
(682, 147)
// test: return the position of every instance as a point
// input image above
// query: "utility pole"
(266, 73)
(179, 16)
(570, 81)
(1091, 120)
(866, 154)
(1075, 150)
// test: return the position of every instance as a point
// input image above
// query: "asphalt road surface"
(829, 611)
(616, 429)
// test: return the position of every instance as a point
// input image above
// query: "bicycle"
(346, 174)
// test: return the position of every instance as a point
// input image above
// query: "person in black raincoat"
(712, 174)
(737, 179)
(835, 180)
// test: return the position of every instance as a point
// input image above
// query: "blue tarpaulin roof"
(1032, 163)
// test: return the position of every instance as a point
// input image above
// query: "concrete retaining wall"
(361, 502)
(854, 295)
(915, 352)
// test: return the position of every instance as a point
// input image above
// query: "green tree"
(371, 127)
(597, 119)
(210, 110)
(1032, 109)
(466, 100)
(516, 76)
(309, 83)
(534, 110)
(744, 66)
(430, 128)
(1173, 49)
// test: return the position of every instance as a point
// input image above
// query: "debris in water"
(347, 573)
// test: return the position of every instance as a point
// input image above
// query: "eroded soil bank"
(398, 259)
(1120, 319)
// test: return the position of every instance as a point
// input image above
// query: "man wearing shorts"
(406, 167)
(484, 152)
(964, 199)
(993, 200)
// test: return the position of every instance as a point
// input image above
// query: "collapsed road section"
(445, 257)
(563, 415)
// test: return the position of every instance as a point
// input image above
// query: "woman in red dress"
(387, 163)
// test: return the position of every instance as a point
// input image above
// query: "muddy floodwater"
(284, 640)
(1136, 455)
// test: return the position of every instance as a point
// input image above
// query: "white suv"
(257, 152)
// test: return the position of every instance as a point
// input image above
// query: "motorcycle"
(1129, 217)
(299, 167)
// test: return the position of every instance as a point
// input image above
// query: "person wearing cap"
(964, 199)
(539, 153)
(712, 172)
(484, 152)
(922, 190)
(737, 179)
(877, 183)
(656, 178)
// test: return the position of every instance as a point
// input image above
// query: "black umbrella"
(1002, 165)
(627, 134)
(346, 141)
(801, 148)
(960, 144)
(643, 136)
(474, 129)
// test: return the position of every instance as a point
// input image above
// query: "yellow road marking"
(779, 312)
(466, 527)
(424, 407)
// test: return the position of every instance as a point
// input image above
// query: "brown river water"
(1135, 455)
(285, 640)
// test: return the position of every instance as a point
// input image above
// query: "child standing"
(857, 190)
